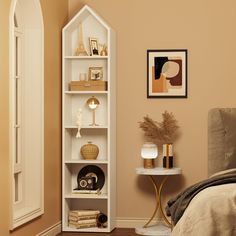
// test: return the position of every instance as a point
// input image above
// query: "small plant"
(164, 132)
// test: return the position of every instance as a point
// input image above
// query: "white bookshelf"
(104, 135)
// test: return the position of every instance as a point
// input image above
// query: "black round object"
(93, 171)
(102, 218)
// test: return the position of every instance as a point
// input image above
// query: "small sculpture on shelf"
(79, 122)
(80, 50)
(93, 104)
(103, 51)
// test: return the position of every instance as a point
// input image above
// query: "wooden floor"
(115, 232)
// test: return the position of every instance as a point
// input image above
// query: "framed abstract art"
(167, 73)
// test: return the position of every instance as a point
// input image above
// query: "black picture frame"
(174, 82)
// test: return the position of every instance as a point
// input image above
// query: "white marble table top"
(158, 171)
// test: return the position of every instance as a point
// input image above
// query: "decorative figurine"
(103, 50)
(79, 122)
(81, 51)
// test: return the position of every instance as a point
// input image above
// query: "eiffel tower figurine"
(80, 50)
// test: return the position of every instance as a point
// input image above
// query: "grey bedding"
(209, 207)
(176, 207)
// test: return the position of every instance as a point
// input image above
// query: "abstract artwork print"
(167, 73)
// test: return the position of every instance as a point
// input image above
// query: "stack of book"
(83, 218)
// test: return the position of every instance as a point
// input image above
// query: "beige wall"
(55, 17)
(204, 27)
(207, 29)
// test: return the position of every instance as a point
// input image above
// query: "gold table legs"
(158, 190)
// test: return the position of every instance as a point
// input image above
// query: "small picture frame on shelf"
(95, 73)
(93, 42)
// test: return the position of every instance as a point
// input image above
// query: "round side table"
(162, 228)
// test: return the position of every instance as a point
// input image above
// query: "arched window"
(26, 110)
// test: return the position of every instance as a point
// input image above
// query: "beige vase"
(89, 151)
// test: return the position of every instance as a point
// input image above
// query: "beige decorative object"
(89, 151)
(160, 132)
(91, 85)
(103, 50)
(93, 104)
(82, 76)
(81, 51)
(79, 122)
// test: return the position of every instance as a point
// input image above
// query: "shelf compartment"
(91, 28)
(84, 204)
(72, 144)
(73, 103)
(73, 68)
(71, 173)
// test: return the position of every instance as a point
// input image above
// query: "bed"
(208, 208)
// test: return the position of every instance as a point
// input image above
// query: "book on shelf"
(83, 222)
(78, 218)
(80, 226)
(78, 213)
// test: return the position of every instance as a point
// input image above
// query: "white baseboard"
(120, 223)
(131, 222)
(51, 231)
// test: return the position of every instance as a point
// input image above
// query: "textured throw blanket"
(176, 206)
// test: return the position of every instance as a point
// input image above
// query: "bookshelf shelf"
(101, 230)
(86, 196)
(86, 162)
(85, 127)
(85, 92)
(85, 57)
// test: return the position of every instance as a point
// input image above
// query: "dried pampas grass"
(164, 132)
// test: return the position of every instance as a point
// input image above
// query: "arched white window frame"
(27, 189)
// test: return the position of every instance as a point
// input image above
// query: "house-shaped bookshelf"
(79, 66)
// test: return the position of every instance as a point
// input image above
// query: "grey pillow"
(221, 139)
